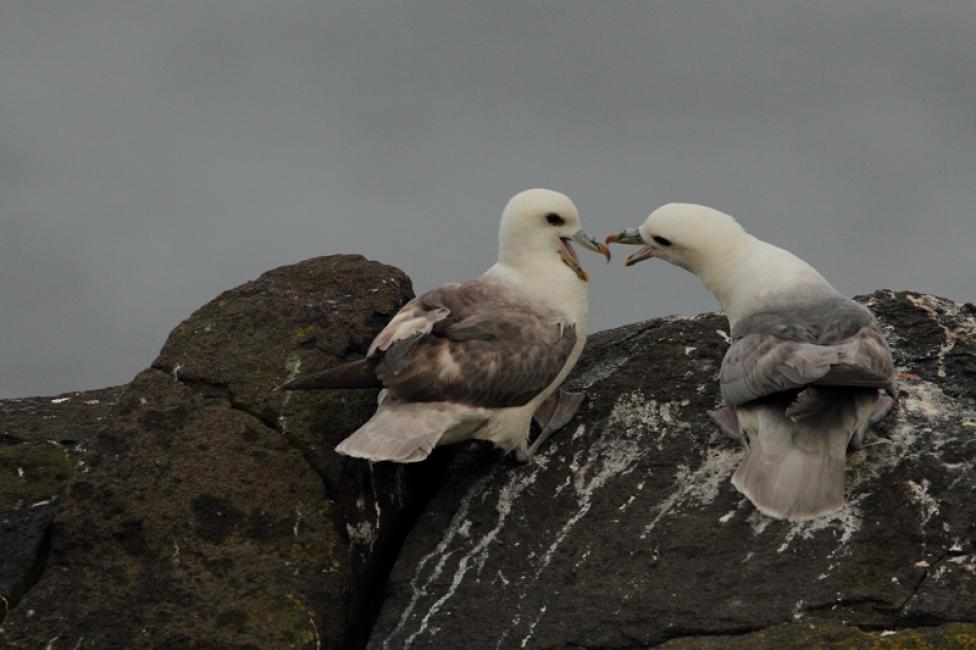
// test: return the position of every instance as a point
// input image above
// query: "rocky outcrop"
(198, 508)
(625, 531)
(43, 444)
(211, 511)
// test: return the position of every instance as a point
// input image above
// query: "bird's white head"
(742, 272)
(694, 237)
(537, 226)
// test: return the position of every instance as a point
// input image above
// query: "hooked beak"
(631, 236)
(585, 240)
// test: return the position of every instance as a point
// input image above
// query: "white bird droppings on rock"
(699, 487)
(919, 493)
(599, 372)
(361, 533)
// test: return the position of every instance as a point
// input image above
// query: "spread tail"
(794, 468)
(406, 432)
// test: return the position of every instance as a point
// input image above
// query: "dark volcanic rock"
(67, 418)
(823, 634)
(198, 508)
(212, 512)
(625, 531)
(23, 548)
(43, 445)
(43, 442)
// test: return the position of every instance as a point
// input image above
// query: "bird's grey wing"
(758, 365)
(865, 361)
(493, 350)
(414, 320)
(824, 320)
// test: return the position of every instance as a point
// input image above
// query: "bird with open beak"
(808, 371)
(481, 359)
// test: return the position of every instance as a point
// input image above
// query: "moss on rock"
(33, 472)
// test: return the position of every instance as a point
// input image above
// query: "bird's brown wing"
(478, 343)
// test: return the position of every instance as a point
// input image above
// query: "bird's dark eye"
(661, 240)
(555, 219)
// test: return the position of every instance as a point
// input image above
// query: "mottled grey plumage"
(833, 342)
(802, 383)
(501, 350)
(823, 317)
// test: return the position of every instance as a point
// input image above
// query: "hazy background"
(153, 154)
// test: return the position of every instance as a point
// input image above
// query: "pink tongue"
(569, 247)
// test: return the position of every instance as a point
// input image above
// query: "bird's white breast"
(550, 287)
(557, 289)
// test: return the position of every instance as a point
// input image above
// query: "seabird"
(807, 373)
(479, 359)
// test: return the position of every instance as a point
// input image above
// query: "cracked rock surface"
(198, 508)
(43, 444)
(625, 531)
(211, 512)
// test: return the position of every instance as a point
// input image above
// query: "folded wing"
(448, 359)
(761, 363)
(473, 343)
(802, 385)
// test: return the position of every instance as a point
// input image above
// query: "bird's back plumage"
(804, 382)
(451, 359)
(486, 346)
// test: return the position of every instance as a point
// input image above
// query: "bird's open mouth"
(645, 253)
(569, 257)
(632, 237)
(569, 247)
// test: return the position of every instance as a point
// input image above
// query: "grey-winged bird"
(808, 370)
(479, 359)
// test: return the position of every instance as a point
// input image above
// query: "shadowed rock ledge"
(197, 508)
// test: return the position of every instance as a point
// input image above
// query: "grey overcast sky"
(153, 154)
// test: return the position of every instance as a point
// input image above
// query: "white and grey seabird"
(807, 373)
(479, 359)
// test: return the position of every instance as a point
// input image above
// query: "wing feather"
(758, 365)
(414, 320)
(475, 343)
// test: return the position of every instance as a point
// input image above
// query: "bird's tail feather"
(407, 432)
(357, 374)
(794, 469)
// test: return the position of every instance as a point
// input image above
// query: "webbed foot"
(552, 415)
(728, 423)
